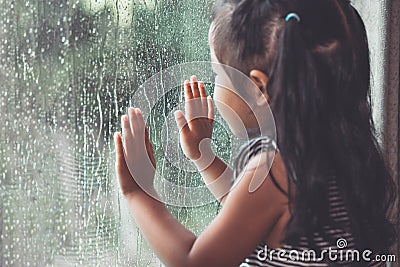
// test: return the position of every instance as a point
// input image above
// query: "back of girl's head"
(319, 84)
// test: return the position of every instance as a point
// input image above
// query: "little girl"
(326, 199)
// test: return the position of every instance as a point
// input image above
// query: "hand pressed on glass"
(135, 163)
(196, 126)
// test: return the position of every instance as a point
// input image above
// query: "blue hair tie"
(292, 16)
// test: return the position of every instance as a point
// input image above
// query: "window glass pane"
(68, 71)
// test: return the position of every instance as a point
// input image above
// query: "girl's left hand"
(135, 162)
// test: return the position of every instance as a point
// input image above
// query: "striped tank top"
(341, 252)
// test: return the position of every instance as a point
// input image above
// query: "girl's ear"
(261, 80)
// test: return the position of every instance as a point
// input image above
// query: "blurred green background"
(68, 70)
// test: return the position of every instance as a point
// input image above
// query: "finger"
(140, 117)
(190, 108)
(126, 129)
(202, 90)
(196, 103)
(188, 91)
(140, 124)
(181, 121)
(211, 113)
(204, 100)
(132, 119)
(149, 148)
(195, 86)
(119, 150)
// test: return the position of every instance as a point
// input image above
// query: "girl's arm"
(218, 177)
(195, 130)
(243, 222)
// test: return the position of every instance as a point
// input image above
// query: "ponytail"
(293, 86)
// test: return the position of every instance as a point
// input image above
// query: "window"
(68, 72)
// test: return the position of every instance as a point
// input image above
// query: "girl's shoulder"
(261, 155)
(255, 153)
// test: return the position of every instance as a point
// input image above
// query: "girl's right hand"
(196, 124)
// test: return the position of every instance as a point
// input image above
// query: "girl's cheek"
(218, 93)
(232, 117)
(227, 106)
(224, 106)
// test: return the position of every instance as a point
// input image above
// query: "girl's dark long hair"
(319, 84)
